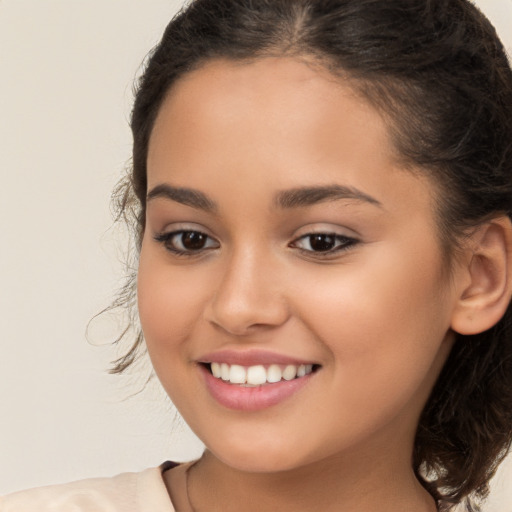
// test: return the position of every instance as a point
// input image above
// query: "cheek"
(168, 302)
(170, 309)
(391, 290)
(384, 322)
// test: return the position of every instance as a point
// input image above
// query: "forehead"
(270, 104)
(281, 121)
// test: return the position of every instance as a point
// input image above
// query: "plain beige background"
(66, 69)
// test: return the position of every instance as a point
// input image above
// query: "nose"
(249, 296)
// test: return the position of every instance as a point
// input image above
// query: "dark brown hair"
(439, 74)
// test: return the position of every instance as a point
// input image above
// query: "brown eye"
(322, 242)
(193, 240)
(186, 242)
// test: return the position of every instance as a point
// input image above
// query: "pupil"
(193, 240)
(322, 242)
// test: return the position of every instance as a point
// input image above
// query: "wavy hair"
(439, 75)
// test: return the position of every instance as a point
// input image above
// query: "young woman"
(321, 196)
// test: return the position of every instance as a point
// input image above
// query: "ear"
(487, 283)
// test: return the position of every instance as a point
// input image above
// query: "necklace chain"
(187, 485)
(187, 488)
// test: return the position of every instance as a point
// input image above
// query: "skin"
(375, 315)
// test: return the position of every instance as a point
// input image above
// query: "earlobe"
(483, 302)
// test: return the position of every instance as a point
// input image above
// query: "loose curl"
(439, 75)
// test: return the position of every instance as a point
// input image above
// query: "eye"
(186, 242)
(326, 243)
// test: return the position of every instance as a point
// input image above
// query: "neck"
(337, 484)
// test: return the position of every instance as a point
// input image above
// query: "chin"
(269, 457)
(253, 464)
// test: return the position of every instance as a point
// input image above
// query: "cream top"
(127, 492)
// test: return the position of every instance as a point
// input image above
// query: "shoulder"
(127, 492)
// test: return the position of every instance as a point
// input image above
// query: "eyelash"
(344, 243)
(166, 240)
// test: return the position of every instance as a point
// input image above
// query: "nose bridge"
(248, 294)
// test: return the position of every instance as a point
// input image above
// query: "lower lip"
(234, 396)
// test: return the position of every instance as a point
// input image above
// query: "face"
(291, 286)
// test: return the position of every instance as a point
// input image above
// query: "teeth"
(290, 372)
(274, 373)
(224, 371)
(259, 374)
(256, 375)
(216, 370)
(237, 374)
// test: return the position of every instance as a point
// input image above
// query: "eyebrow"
(183, 195)
(286, 199)
(308, 196)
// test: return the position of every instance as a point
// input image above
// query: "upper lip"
(251, 357)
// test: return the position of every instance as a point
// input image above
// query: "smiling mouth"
(258, 375)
